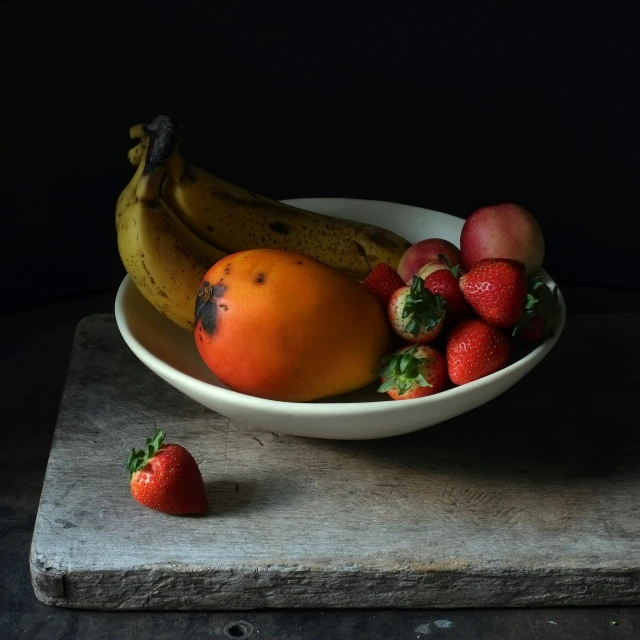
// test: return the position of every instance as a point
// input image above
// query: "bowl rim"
(222, 394)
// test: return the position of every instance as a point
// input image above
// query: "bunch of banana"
(234, 219)
(164, 259)
(175, 220)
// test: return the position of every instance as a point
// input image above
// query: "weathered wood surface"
(532, 499)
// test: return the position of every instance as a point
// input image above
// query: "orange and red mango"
(280, 325)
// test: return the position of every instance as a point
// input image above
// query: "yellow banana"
(135, 153)
(234, 219)
(164, 259)
(137, 131)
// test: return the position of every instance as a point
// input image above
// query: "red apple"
(502, 231)
(420, 253)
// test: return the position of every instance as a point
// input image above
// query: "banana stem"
(150, 178)
(164, 137)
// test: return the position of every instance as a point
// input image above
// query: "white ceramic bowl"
(364, 414)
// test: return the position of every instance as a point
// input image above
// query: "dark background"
(447, 107)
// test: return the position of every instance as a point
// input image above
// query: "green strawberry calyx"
(423, 308)
(455, 270)
(541, 303)
(138, 459)
(402, 371)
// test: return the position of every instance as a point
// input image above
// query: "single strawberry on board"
(496, 289)
(446, 283)
(413, 371)
(383, 281)
(474, 350)
(416, 314)
(165, 477)
(541, 313)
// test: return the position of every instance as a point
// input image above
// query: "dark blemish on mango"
(279, 227)
(209, 227)
(260, 278)
(206, 307)
(162, 294)
(299, 262)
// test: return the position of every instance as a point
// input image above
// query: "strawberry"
(541, 312)
(165, 477)
(413, 371)
(530, 330)
(445, 282)
(416, 314)
(474, 350)
(383, 281)
(496, 289)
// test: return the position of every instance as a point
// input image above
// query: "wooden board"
(532, 499)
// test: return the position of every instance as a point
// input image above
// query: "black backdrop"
(447, 107)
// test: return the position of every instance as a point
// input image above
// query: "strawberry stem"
(138, 459)
(543, 303)
(423, 308)
(401, 371)
(454, 270)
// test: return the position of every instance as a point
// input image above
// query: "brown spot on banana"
(279, 227)
(259, 203)
(144, 266)
(135, 153)
(361, 250)
(377, 236)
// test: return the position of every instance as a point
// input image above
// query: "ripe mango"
(284, 326)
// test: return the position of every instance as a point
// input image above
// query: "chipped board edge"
(340, 587)
(48, 582)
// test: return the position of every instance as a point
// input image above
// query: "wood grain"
(532, 499)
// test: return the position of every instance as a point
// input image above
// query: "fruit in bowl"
(320, 345)
(503, 231)
(425, 251)
(281, 325)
